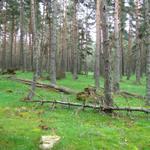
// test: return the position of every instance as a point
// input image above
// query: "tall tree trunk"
(15, 49)
(35, 48)
(75, 40)
(107, 59)
(53, 43)
(122, 65)
(116, 77)
(31, 39)
(147, 14)
(129, 52)
(22, 34)
(11, 42)
(4, 41)
(98, 42)
(64, 41)
(137, 54)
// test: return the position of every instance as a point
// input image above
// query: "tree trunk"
(107, 63)
(129, 52)
(35, 48)
(4, 42)
(64, 42)
(31, 40)
(117, 47)
(137, 54)
(53, 44)
(75, 40)
(11, 43)
(98, 42)
(15, 48)
(22, 35)
(147, 14)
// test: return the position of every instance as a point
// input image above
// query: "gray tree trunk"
(36, 49)
(137, 52)
(107, 59)
(129, 52)
(147, 14)
(116, 77)
(53, 43)
(75, 41)
(4, 41)
(11, 43)
(22, 34)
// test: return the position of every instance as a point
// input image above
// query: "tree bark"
(22, 34)
(137, 52)
(31, 39)
(107, 63)
(64, 41)
(117, 48)
(35, 48)
(98, 42)
(4, 41)
(75, 40)
(53, 43)
(147, 14)
(11, 42)
(102, 108)
(129, 52)
(46, 86)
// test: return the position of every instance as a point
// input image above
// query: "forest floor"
(22, 124)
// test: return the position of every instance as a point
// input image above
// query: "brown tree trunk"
(116, 77)
(137, 52)
(75, 40)
(31, 40)
(107, 63)
(53, 44)
(64, 42)
(11, 42)
(35, 48)
(22, 35)
(98, 42)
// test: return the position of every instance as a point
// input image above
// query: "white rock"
(48, 142)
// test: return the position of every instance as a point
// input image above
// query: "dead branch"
(132, 95)
(98, 107)
(42, 85)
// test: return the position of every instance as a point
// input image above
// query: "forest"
(74, 74)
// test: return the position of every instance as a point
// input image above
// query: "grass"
(79, 130)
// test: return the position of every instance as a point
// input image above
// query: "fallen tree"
(42, 85)
(98, 107)
(124, 93)
(67, 90)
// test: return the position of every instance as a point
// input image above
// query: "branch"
(42, 85)
(102, 108)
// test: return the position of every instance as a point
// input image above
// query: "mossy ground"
(20, 123)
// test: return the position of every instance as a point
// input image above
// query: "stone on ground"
(48, 142)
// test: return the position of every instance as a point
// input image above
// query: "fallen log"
(132, 95)
(42, 85)
(125, 94)
(98, 107)
(67, 90)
